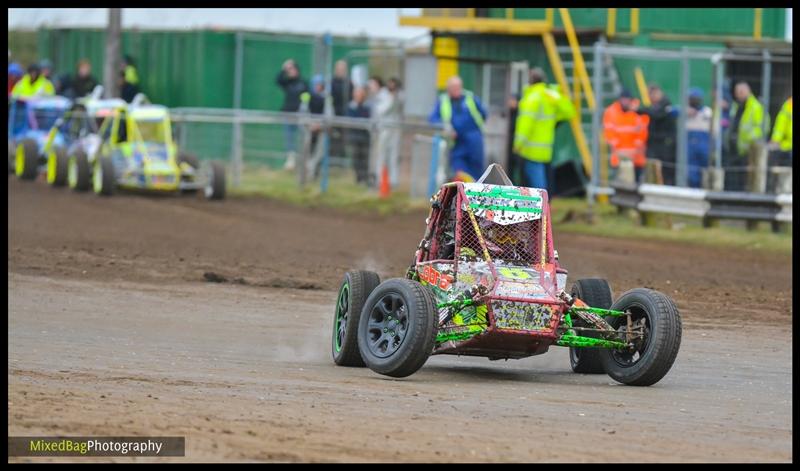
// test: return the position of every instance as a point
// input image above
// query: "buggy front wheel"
(79, 172)
(103, 177)
(653, 354)
(397, 329)
(215, 183)
(57, 167)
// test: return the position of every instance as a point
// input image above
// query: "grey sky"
(374, 22)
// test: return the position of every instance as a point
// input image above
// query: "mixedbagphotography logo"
(96, 446)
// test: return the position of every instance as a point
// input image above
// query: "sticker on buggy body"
(503, 204)
(429, 274)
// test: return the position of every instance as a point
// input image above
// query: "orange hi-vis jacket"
(626, 133)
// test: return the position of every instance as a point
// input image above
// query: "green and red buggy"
(486, 281)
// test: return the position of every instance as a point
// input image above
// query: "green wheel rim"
(97, 178)
(52, 162)
(340, 324)
(72, 172)
(20, 160)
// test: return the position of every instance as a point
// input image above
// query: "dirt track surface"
(113, 331)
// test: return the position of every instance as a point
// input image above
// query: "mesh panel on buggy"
(517, 244)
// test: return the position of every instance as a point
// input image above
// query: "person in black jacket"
(662, 132)
(294, 87)
(84, 82)
(342, 93)
(358, 139)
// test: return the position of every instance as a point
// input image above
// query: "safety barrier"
(708, 205)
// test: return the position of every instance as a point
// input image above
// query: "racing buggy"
(80, 127)
(32, 136)
(486, 281)
(138, 153)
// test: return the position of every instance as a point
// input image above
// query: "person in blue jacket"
(463, 117)
(698, 127)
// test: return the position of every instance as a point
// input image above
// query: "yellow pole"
(470, 13)
(757, 24)
(611, 27)
(509, 13)
(634, 21)
(575, 122)
(642, 86)
(548, 12)
(580, 66)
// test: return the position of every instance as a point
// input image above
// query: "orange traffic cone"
(384, 187)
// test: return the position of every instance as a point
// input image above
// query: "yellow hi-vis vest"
(540, 109)
(782, 132)
(750, 126)
(25, 89)
(446, 109)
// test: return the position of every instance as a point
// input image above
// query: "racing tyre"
(12, 156)
(353, 294)
(397, 329)
(653, 356)
(215, 186)
(103, 177)
(79, 175)
(27, 160)
(57, 167)
(596, 293)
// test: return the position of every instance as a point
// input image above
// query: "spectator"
(781, 139)
(746, 130)
(662, 132)
(463, 117)
(14, 74)
(515, 161)
(341, 88)
(315, 105)
(127, 90)
(294, 86)
(84, 81)
(129, 68)
(540, 109)
(698, 128)
(388, 107)
(625, 131)
(33, 84)
(358, 139)
(342, 92)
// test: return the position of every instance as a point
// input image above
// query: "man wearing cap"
(463, 117)
(661, 132)
(625, 131)
(33, 84)
(698, 128)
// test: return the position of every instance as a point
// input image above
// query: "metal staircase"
(611, 84)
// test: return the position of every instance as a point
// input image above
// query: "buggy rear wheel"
(27, 160)
(79, 174)
(57, 167)
(353, 293)
(397, 329)
(596, 293)
(653, 355)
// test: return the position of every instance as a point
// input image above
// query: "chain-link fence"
(692, 143)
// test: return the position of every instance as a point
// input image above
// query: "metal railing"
(251, 138)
